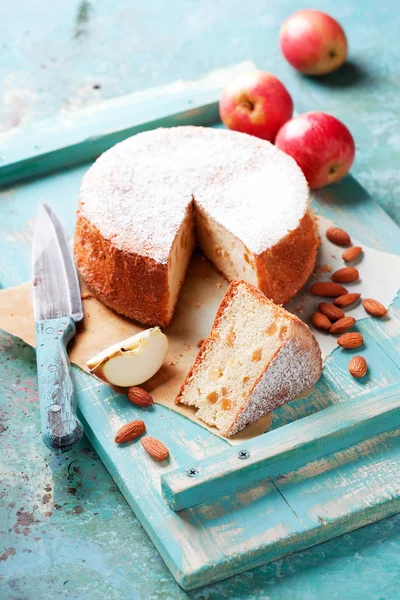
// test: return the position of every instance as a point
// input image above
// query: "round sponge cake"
(146, 202)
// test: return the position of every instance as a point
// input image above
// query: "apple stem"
(248, 105)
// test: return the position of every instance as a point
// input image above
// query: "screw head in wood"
(192, 472)
(243, 454)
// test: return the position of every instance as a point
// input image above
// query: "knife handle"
(60, 427)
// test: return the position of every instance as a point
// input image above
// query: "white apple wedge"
(132, 361)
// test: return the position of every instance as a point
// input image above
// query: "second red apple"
(256, 103)
(321, 145)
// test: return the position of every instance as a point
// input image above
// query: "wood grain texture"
(282, 450)
(83, 536)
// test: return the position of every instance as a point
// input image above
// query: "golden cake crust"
(135, 197)
(285, 268)
(304, 345)
(109, 271)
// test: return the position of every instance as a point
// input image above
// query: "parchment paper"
(199, 300)
(198, 303)
(379, 279)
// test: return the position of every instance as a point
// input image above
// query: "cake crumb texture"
(256, 357)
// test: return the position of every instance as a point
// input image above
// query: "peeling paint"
(7, 553)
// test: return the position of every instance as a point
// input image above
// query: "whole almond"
(345, 275)
(342, 325)
(358, 366)
(321, 321)
(130, 431)
(374, 308)
(346, 300)
(338, 236)
(139, 397)
(155, 448)
(327, 288)
(350, 340)
(332, 312)
(351, 253)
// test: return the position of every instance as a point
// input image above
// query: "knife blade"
(57, 306)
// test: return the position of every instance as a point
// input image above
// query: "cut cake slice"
(257, 357)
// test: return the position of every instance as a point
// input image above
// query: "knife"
(57, 306)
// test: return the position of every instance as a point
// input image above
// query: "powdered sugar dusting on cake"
(293, 371)
(138, 192)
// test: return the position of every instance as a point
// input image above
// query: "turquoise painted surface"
(70, 534)
(59, 56)
(119, 559)
(16, 243)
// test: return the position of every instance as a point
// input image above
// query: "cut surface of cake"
(257, 357)
(147, 201)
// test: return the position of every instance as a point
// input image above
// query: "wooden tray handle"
(283, 450)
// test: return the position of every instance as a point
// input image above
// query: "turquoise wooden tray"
(307, 487)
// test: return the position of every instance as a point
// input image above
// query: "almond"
(345, 275)
(351, 253)
(327, 288)
(321, 321)
(139, 397)
(338, 236)
(350, 340)
(130, 431)
(342, 325)
(374, 308)
(332, 312)
(155, 448)
(346, 300)
(358, 366)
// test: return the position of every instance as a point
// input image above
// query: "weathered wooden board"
(278, 516)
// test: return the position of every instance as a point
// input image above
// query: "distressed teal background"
(65, 530)
(59, 55)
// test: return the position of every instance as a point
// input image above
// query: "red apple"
(256, 103)
(313, 43)
(320, 144)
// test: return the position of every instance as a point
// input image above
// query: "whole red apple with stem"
(256, 103)
(313, 42)
(321, 145)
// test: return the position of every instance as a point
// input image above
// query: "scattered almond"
(374, 308)
(346, 300)
(358, 366)
(338, 236)
(351, 253)
(130, 431)
(327, 288)
(139, 397)
(321, 321)
(345, 275)
(332, 312)
(155, 448)
(342, 325)
(350, 340)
